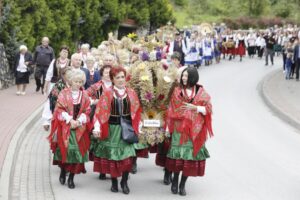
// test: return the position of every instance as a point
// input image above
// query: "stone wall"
(6, 76)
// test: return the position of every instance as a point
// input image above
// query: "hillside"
(189, 12)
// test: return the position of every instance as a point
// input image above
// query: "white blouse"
(22, 67)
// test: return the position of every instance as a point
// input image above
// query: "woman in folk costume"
(230, 45)
(207, 45)
(189, 123)
(54, 70)
(241, 45)
(260, 45)
(113, 155)
(69, 136)
(192, 56)
(49, 106)
(224, 45)
(250, 42)
(217, 47)
(95, 92)
(200, 50)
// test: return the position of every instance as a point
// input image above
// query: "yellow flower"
(142, 66)
(167, 79)
(132, 35)
(145, 78)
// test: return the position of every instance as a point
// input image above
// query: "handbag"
(127, 131)
(30, 69)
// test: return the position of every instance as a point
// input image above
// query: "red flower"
(161, 97)
(165, 66)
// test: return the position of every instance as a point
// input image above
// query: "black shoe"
(266, 64)
(174, 186)
(114, 185)
(125, 187)
(102, 176)
(37, 88)
(71, 184)
(167, 177)
(42, 90)
(182, 191)
(62, 177)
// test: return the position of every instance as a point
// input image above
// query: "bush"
(247, 22)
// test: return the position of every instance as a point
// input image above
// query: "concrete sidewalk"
(282, 96)
(14, 110)
(17, 116)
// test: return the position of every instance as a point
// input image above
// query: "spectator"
(288, 62)
(270, 42)
(22, 61)
(43, 56)
(297, 58)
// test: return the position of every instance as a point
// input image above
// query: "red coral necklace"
(119, 95)
(189, 98)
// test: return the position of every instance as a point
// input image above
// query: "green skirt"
(185, 151)
(113, 147)
(73, 152)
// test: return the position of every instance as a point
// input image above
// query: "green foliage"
(72, 22)
(160, 13)
(180, 2)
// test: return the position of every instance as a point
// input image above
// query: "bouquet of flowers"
(153, 84)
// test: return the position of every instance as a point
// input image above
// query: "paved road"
(254, 154)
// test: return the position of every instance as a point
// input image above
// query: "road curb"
(263, 85)
(13, 150)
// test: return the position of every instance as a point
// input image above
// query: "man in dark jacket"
(43, 56)
(270, 42)
(297, 59)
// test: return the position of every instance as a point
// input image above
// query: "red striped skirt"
(188, 167)
(223, 50)
(231, 51)
(241, 50)
(112, 167)
(161, 156)
(153, 149)
(142, 153)
(76, 168)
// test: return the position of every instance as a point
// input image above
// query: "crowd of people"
(100, 101)
(94, 113)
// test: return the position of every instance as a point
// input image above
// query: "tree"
(256, 8)
(63, 16)
(160, 13)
